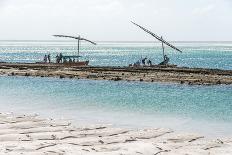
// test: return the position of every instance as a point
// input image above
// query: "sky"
(109, 20)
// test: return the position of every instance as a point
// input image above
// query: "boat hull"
(68, 64)
(80, 63)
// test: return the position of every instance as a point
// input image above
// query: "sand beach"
(31, 134)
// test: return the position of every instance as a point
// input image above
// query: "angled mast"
(77, 38)
(163, 48)
(74, 37)
(158, 38)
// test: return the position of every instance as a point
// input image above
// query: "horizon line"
(116, 41)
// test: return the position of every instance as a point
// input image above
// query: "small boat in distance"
(72, 60)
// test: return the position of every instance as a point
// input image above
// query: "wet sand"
(32, 135)
(181, 75)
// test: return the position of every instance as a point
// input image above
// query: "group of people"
(47, 58)
(59, 59)
(147, 62)
(143, 62)
(69, 60)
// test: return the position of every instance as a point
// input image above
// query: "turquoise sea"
(203, 109)
(195, 54)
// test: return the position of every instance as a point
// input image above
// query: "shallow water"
(195, 54)
(202, 109)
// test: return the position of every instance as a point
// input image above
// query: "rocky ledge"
(181, 75)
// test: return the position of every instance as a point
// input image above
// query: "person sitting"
(137, 64)
(166, 60)
(64, 60)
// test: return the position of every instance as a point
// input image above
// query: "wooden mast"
(163, 48)
(160, 39)
(77, 38)
(78, 47)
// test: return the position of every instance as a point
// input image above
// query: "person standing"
(45, 58)
(149, 62)
(57, 59)
(49, 58)
(61, 57)
(144, 61)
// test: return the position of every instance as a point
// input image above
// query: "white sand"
(34, 136)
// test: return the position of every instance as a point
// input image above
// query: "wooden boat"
(67, 64)
(165, 57)
(67, 60)
(80, 63)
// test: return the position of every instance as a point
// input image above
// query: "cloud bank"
(110, 19)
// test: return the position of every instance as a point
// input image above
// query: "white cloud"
(110, 19)
(203, 10)
(112, 7)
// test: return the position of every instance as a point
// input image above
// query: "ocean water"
(202, 109)
(195, 54)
